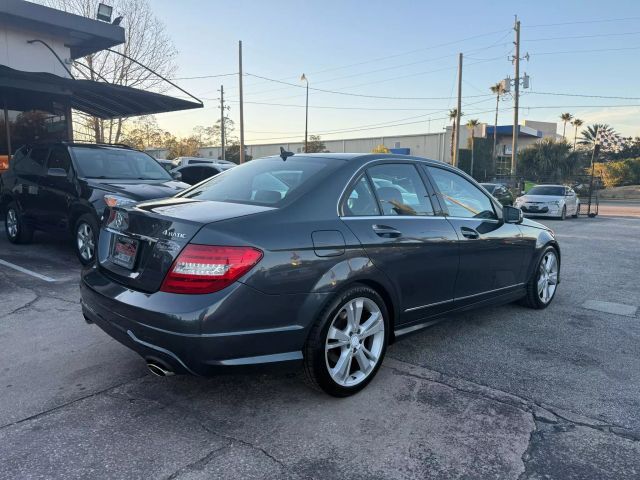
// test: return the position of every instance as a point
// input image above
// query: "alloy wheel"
(85, 241)
(12, 223)
(355, 341)
(548, 277)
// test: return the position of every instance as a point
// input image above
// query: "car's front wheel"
(16, 229)
(577, 214)
(86, 238)
(542, 286)
(347, 343)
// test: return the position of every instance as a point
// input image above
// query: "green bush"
(619, 173)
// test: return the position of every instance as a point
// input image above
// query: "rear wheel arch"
(5, 200)
(76, 212)
(388, 300)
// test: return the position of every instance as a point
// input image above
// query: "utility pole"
(456, 149)
(306, 115)
(241, 103)
(223, 154)
(516, 101)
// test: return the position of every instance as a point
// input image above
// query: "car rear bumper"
(235, 329)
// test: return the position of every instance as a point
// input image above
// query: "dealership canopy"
(26, 90)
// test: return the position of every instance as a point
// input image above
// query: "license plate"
(124, 251)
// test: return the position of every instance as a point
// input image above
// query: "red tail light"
(207, 269)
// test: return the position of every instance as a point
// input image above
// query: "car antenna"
(284, 154)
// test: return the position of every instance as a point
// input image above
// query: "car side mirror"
(176, 175)
(512, 214)
(57, 172)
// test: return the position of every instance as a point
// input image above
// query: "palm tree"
(565, 117)
(497, 90)
(471, 125)
(453, 114)
(588, 136)
(576, 122)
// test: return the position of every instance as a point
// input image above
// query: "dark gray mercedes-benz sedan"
(315, 260)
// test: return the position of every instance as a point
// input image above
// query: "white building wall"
(16, 53)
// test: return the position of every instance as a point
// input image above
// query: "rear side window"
(34, 162)
(361, 201)
(400, 190)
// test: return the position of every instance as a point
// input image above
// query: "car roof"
(361, 157)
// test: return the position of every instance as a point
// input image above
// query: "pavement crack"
(197, 465)
(541, 412)
(67, 404)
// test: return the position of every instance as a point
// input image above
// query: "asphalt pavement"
(502, 392)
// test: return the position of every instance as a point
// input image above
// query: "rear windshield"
(266, 181)
(546, 190)
(120, 164)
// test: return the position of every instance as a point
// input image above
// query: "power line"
(593, 50)
(582, 36)
(578, 22)
(559, 94)
(335, 92)
(204, 76)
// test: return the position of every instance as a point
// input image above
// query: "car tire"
(577, 214)
(563, 216)
(85, 237)
(541, 278)
(15, 228)
(337, 346)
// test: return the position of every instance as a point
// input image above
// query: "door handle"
(386, 231)
(469, 233)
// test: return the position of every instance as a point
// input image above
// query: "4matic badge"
(172, 234)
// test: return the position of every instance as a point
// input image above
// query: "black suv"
(65, 187)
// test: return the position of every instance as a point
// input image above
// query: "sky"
(406, 50)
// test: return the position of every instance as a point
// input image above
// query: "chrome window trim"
(389, 217)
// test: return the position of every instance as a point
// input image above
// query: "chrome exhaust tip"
(158, 370)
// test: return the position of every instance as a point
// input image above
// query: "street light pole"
(306, 114)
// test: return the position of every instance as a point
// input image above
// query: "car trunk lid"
(152, 234)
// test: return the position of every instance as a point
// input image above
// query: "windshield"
(117, 163)
(489, 187)
(266, 181)
(547, 190)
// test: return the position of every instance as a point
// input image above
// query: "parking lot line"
(27, 271)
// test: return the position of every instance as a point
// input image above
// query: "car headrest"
(388, 196)
(267, 196)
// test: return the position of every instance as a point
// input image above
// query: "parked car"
(166, 164)
(65, 187)
(324, 271)
(500, 192)
(195, 173)
(556, 201)
(184, 161)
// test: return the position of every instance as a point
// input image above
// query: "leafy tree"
(315, 144)
(143, 133)
(182, 147)
(232, 153)
(549, 160)
(380, 149)
(146, 40)
(565, 117)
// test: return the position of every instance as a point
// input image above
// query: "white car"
(556, 201)
(184, 161)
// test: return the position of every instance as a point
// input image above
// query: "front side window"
(267, 181)
(118, 164)
(59, 158)
(400, 190)
(361, 201)
(462, 198)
